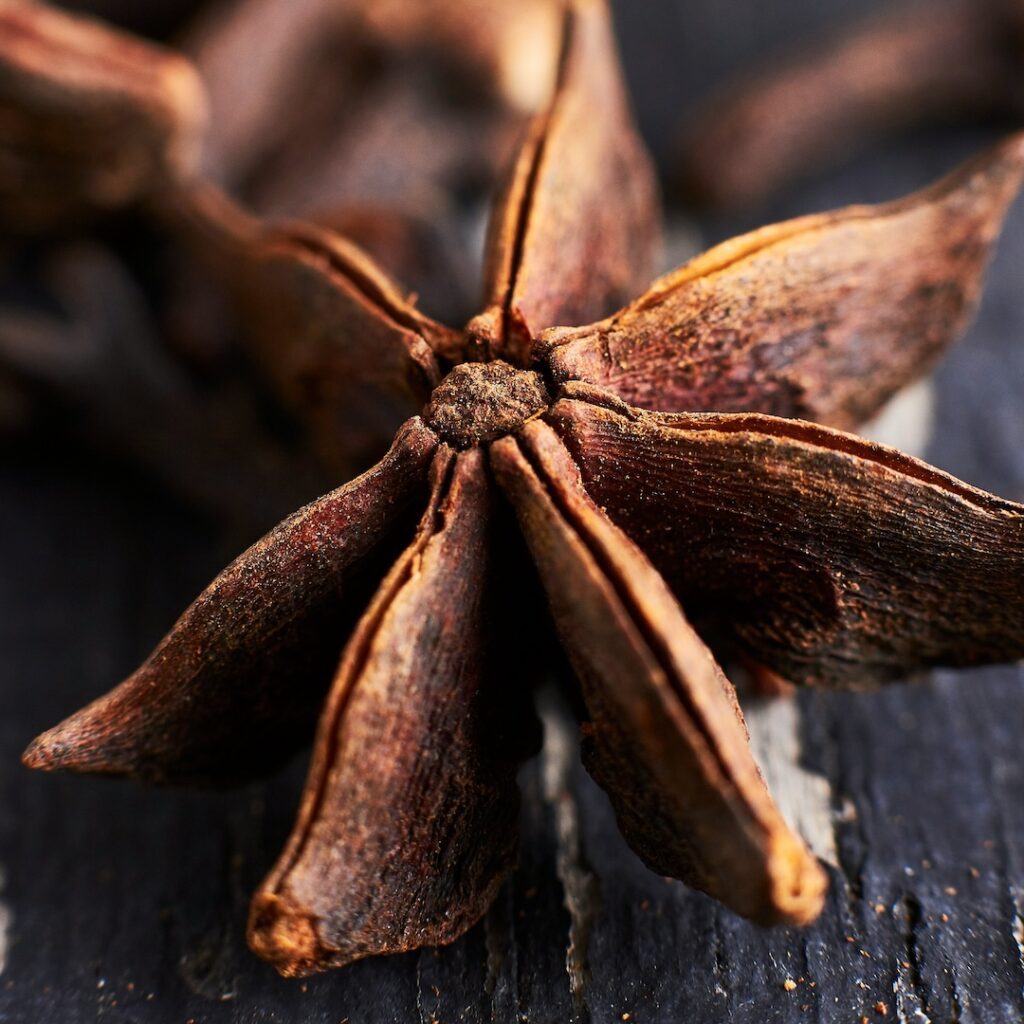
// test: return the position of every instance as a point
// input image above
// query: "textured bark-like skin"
(236, 685)
(480, 402)
(802, 533)
(408, 823)
(575, 230)
(666, 737)
(912, 64)
(90, 118)
(833, 560)
(335, 307)
(776, 321)
(358, 358)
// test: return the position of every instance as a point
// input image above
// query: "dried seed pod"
(666, 737)
(280, 44)
(90, 118)
(832, 559)
(828, 559)
(237, 683)
(344, 347)
(824, 317)
(341, 85)
(423, 254)
(574, 231)
(408, 822)
(510, 48)
(342, 151)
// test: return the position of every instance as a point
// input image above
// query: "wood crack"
(6, 924)
(913, 1005)
(421, 1010)
(580, 885)
(500, 954)
(1014, 900)
(850, 841)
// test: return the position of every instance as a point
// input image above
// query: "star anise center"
(481, 402)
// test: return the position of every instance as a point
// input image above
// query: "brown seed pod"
(826, 558)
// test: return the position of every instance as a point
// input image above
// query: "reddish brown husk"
(310, 99)
(408, 823)
(822, 557)
(334, 306)
(574, 230)
(666, 736)
(237, 683)
(776, 321)
(833, 560)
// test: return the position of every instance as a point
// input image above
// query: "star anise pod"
(62, 365)
(651, 469)
(913, 64)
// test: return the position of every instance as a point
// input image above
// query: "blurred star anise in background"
(385, 122)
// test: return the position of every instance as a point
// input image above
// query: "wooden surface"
(121, 904)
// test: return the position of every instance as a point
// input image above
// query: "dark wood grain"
(127, 906)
